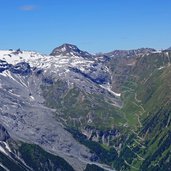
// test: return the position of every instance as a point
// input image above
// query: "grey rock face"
(3, 134)
(22, 68)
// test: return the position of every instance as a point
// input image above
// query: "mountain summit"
(70, 50)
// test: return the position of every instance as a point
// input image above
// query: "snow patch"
(161, 68)
(3, 150)
(7, 147)
(108, 88)
(32, 98)
(4, 167)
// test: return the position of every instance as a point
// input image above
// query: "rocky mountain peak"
(70, 50)
(17, 52)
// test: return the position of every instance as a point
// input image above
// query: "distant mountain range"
(71, 50)
(76, 111)
(129, 53)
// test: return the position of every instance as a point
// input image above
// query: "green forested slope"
(149, 144)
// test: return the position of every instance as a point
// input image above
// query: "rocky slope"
(29, 117)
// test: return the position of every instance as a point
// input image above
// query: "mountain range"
(72, 110)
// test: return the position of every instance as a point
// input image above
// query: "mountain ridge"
(103, 108)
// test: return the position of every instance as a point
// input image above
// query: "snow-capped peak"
(70, 50)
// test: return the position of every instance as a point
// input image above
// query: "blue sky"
(93, 25)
